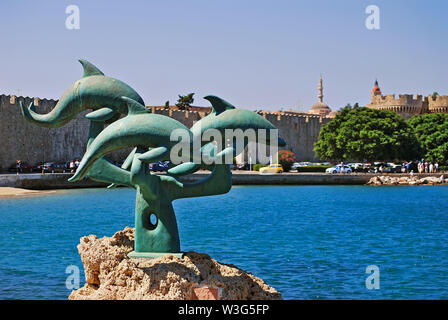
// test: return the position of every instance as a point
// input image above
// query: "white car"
(295, 165)
(339, 169)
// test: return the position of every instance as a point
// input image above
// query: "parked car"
(339, 169)
(24, 166)
(53, 167)
(304, 164)
(159, 166)
(242, 166)
(273, 168)
(295, 165)
(394, 168)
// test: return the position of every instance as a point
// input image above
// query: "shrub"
(258, 166)
(286, 159)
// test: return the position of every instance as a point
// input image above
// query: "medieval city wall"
(299, 131)
(440, 104)
(406, 105)
(23, 140)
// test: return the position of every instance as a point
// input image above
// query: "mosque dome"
(320, 108)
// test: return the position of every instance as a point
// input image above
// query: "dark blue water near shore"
(309, 242)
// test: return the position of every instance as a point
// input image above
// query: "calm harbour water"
(308, 242)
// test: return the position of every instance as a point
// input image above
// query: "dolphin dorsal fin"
(90, 69)
(134, 107)
(219, 105)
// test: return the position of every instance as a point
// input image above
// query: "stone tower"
(376, 91)
(405, 105)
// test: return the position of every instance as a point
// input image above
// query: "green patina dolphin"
(225, 116)
(139, 128)
(94, 91)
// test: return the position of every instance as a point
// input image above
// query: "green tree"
(184, 102)
(435, 94)
(366, 134)
(432, 133)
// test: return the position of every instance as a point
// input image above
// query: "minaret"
(321, 90)
(320, 108)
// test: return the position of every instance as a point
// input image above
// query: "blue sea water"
(308, 242)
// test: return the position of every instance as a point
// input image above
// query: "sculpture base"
(152, 255)
(111, 275)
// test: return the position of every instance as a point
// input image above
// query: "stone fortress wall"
(438, 105)
(23, 140)
(407, 105)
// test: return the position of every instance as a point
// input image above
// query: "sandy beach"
(7, 192)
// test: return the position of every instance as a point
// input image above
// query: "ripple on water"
(309, 242)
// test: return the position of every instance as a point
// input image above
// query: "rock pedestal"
(112, 275)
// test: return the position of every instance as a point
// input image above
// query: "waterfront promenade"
(37, 181)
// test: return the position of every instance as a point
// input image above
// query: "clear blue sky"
(256, 54)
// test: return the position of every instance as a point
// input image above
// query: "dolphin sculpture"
(225, 116)
(93, 91)
(139, 128)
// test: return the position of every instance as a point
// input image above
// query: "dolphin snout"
(281, 142)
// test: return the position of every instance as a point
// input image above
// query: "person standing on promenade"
(18, 165)
(436, 167)
(72, 166)
(77, 163)
(426, 167)
(431, 167)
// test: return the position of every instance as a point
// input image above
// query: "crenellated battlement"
(402, 99)
(194, 111)
(407, 105)
(13, 101)
(437, 105)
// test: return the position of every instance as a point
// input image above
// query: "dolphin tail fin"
(27, 112)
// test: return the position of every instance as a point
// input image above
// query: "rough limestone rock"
(411, 180)
(111, 275)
